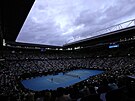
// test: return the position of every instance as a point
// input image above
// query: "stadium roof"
(14, 14)
(109, 37)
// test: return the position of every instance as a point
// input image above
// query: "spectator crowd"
(112, 85)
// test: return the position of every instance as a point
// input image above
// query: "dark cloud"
(101, 19)
(55, 23)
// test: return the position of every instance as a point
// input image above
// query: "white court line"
(80, 74)
(63, 78)
(52, 81)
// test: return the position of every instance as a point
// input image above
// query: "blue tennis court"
(52, 82)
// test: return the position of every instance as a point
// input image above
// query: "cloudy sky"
(57, 22)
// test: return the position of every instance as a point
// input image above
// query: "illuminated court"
(52, 82)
